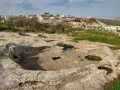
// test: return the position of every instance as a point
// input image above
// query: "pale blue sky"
(95, 8)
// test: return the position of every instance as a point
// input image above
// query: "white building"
(46, 17)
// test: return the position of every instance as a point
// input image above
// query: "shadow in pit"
(25, 56)
(30, 62)
(107, 69)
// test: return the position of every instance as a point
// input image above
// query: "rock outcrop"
(84, 22)
(60, 65)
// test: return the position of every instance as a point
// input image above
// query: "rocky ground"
(53, 62)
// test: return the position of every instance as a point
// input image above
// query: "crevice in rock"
(28, 82)
(109, 70)
(49, 40)
(20, 84)
(56, 58)
(42, 35)
(32, 83)
(23, 34)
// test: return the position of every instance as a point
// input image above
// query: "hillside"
(110, 22)
(86, 21)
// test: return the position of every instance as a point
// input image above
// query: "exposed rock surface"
(55, 67)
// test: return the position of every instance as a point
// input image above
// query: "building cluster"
(53, 18)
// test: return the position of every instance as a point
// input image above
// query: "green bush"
(113, 85)
(4, 27)
(49, 31)
(28, 29)
(13, 29)
(93, 58)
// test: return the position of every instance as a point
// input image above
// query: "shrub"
(93, 58)
(13, 29)
(4, 27)
(28, 29)
(49, 31)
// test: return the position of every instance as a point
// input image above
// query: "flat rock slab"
(54, 68)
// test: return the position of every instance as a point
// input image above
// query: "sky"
(80, 8)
